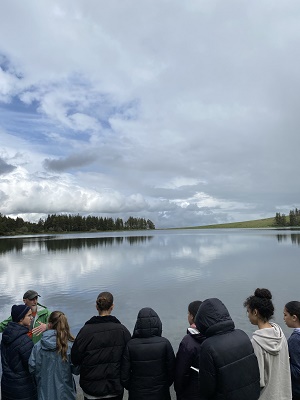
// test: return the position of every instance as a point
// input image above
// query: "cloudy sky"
(184, 112)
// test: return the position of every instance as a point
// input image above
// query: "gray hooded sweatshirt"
(271, 349)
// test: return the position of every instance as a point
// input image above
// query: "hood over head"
(148, 324)
(213, 318)
(270, 339)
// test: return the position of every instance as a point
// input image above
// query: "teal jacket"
(53, 376)
(42, 316)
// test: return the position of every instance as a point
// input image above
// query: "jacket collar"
(100, 320)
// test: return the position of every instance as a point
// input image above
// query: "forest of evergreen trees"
(71, 223)
(293, 219)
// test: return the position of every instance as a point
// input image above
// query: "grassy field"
(258, 223)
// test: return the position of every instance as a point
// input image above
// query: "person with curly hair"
(291, 316)
(50, 360)
(270, 347)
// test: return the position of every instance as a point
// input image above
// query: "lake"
(162, 269)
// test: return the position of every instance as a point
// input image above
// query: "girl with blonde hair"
(50, 361)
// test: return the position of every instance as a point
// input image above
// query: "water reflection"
(294, 238)
(51, 244)
(165, 271)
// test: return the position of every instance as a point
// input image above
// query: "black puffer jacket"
(16, 346)
(228, 368)
(148, 361)
(98, 349)
(187, 358)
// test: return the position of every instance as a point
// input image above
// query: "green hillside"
(258, 223)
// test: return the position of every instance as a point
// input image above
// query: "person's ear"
(24, 301)
(255, 312)
(112, 307)
(294, 318)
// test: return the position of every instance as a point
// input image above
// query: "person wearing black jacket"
(228, 367)
(16, 346)
(187, 359)
(98, 349)
(148, 360)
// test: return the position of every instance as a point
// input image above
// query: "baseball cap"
(30, 294)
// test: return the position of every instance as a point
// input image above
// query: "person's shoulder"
(295, 337)
(42, 309)
(163, 339)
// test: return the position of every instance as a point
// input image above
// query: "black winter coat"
(186, 378)
(148, 361)
(16, 346)
(228, 367)
(98, 349)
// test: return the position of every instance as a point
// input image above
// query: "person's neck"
(104, 313)
(264, 324)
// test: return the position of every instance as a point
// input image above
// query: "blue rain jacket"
(53, 375)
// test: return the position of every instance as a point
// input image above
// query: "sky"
(183, 112)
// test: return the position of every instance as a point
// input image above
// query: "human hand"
(39, 329)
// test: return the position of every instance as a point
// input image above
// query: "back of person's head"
(262, 302)
(293, 308)
(104, 301)
(58, 321)
(213, 317)
(194, 307)
(148, 324)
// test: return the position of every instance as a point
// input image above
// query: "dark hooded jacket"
(294, 350)
(98, 349)
(16, 346)
(187, 361)
(228, 367)
(148, 361)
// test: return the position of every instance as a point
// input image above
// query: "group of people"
(214, 359)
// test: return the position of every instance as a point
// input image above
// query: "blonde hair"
(59, 322)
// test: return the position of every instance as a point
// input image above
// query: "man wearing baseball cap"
(40, 314)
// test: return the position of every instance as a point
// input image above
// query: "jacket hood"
(48, 340)
(213, 318)
(148, 324)
(13, 331)
(270, 339)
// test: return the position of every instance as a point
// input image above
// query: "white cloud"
(186, 111)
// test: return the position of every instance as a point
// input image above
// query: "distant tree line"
(71, 223)
(293, 219)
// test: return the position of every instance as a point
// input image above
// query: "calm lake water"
(164, 270)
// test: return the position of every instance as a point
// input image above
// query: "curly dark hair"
(293, 308)
(262, 302)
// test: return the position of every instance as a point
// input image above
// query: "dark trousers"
(111, 398)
